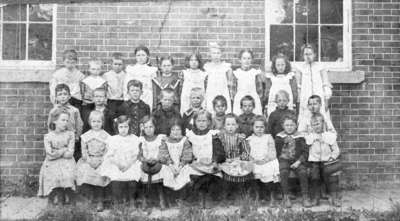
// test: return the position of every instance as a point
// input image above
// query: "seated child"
(135, 108)
(314, 106)
(100, 104)
(322, 151)
(75, 123)
(207, 152)
(246, 118)
(220, 107)
(94, 148)
(262, 154)
(196, 99)
(57, 174)
(70, 76)
(164, 114)
(282, 110)
(292, 154)
(115, 82)
(121, 164)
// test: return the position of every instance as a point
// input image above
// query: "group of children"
(206, 126)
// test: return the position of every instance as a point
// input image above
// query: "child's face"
(62, 122)
(193, 62)
(167, 100)
(166, 67)
(289, 126)
(141, 57)
(176, 132)
(231, 125)
(96, 122)
(220, 108)
(123, 129)
(215, 54)
(258, 128)
(247, 107)
(62, 97)
(195, 100)
(99, 98)
(314, 105)
(95, 69)
(117, 65)
(282, 101)
(280, 65)
(317, 125)
(201, 122)
(148, 128)
(135, 93)
(245, 60)
(69, 64)
(308, 55)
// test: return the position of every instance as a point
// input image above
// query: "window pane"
(306, 34)
(281, 11)
(307, 11)
(40, 42)
(332, 43)
(14, 13)
(331, 11)
(14, 41)
(281, 40)
(40, 12)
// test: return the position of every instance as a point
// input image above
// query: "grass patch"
(26, 186)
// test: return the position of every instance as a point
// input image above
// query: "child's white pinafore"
(123, 150)
(191, 79)
(246, 85)
(279, 82)
(268, 172)
(217, 84)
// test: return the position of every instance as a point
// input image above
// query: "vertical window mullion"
(319, 30)
(294, 31)
(1, 34)
(27, 33)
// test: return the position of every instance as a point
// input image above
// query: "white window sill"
(346, 77)
(25, 74)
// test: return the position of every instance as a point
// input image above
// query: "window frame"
(29, 64)
(345, 65)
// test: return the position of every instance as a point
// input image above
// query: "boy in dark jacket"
(166, 112)
(282, 110)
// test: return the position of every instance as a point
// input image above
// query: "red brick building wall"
(365, 115)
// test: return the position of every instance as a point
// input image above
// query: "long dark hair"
(288, 67)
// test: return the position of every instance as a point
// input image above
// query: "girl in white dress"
(313, 81)
(143, 72)
(193, 77)
(219, 80)
(121, 164)
(262, 154)
(249, 82)
(281, 78)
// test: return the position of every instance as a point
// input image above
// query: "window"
(27, 35)
(323, 23)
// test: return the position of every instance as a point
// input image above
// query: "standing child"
(281, 78)
(246, 118)
(90, 83)
(249, 83)
(115, 82)
(57, 174)
(94, 147)
(281, 110)
(143, 72)
(75, 123)
(70, 76)
(164, 114)
(135, 108)
(220, 80)
(313, 81)
(196, 100)
(292, 153)
(193, 77)
(218, 118)
(323, 151)
(262, 154)
(166, 79)
(121, 163)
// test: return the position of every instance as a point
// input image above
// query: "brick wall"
(365, 115)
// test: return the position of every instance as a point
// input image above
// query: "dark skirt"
(237, 179)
